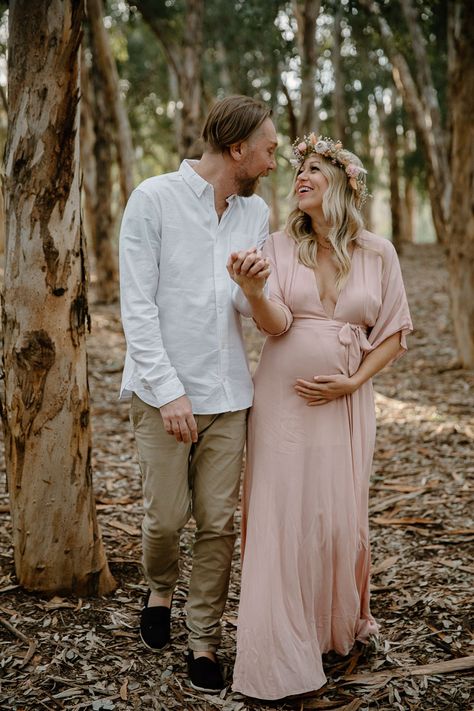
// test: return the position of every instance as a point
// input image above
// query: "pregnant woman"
(335, 315)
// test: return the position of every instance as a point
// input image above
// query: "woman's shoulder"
(279, 236)
(374, 242)
(281, 240)
(280, 247)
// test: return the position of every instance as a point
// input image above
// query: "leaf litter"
(75, 654)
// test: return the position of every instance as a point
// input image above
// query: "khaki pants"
(180, 480)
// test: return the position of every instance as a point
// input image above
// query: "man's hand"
(178, 419)
(324, 388)
(249, 270)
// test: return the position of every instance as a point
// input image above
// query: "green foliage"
(245, 48)
(250, 48)
(144, 77)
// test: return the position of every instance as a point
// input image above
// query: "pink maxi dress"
(305, 537)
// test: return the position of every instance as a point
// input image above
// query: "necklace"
(324, 246)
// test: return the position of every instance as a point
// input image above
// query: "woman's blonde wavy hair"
(341, 212)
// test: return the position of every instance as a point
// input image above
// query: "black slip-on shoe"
(204, 674)
(155, 626)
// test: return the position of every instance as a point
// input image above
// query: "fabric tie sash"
(354, 337)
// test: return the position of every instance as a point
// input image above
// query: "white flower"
(321, 147)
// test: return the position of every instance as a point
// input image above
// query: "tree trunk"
(460, 245)
(395, 202)
(87, 159)
(338, 96)
(365, 154)
(424, 119)
(46, 412)
(306, 13)
(106, 263)
(389, 132)
(409, 212)
(184, 56)
(292, 120)
(104, 63)
(2, 221)
(190, 80)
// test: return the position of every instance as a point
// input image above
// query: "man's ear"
(237, 150)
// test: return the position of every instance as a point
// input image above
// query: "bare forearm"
(268, 315)
(376, 360)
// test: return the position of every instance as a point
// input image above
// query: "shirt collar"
(193, 179)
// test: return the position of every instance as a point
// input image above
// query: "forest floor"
(79, 654)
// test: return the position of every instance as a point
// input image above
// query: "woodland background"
(96, 96)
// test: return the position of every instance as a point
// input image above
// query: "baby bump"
(309, 348)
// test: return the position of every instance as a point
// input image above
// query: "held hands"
(249, 270)
(178, 420)
(324, 388)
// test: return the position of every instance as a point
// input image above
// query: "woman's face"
(310, 185)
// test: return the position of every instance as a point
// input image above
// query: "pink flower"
(313, 139)
(302, 147)
(353, 170)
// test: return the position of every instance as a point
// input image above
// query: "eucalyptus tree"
(46, 411)
(178, 27)
(306, 13)
(432, 64)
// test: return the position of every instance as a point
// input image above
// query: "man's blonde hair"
(232, 120)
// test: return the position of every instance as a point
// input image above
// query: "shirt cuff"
(168, 392)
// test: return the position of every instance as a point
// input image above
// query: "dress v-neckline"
(318, 294)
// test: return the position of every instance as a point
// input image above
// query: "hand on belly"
(324, 388)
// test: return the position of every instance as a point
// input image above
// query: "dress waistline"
(354, 337)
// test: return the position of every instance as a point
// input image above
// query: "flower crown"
(333, 151)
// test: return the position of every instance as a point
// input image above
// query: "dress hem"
(277, 698)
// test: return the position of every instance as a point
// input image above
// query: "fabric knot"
(354, 337)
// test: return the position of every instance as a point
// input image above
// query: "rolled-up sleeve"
(239, 300)
(140, 246)
(275, 289)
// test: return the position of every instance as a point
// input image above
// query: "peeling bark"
(87, 160)
(45, 412)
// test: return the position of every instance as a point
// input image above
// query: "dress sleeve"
(274, 284)
(394, 315)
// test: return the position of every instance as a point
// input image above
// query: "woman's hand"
(249, 270)
(324, 388)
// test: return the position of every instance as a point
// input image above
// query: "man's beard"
(246, 186)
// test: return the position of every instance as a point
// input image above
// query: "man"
(186, 367)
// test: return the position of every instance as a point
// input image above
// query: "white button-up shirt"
(179, 305)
